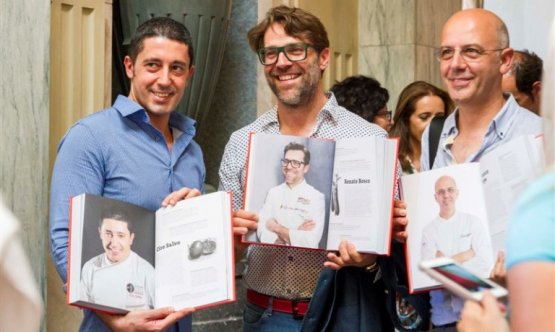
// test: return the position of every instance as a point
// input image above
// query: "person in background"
(365, 97)
(523, 81)
(418, 104)
(530, 247)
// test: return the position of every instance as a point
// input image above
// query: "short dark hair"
(527, 68)
(361, 95)
(160, 27)
(296, 22)
(118, 215)
(298, 147)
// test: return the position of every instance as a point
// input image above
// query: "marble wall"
(397, 39)
(25, 27)
(234, 103)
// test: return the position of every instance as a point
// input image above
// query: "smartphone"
(460, 280)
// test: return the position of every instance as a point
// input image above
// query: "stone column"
(397, 40)
(24, 51)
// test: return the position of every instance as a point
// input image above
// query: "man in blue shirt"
(474, 54)
(138, 151)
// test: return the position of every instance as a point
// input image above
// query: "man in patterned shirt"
(293, 46)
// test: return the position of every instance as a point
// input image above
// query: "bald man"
(474, 54)
(455, 234)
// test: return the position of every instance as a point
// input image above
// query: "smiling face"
(446, 193)
(159, 75)
(425, 109)
(479, 80)
(116, 239)
(293, 83)
(292, 175)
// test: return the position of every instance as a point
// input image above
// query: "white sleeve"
(264, 235)
(311, 238)
(429, 246)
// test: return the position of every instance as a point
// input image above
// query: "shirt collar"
(127, 108)
(330, 112)
(499, 125)
(502, 120)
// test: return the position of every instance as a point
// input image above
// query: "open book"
(461, 211)
(314, 193)
(123, 257)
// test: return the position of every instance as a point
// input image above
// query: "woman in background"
(418, 104)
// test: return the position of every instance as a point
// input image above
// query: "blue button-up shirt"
(117, 153)
(511, 122)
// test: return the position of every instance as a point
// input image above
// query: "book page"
(359, 205)
(506, 171)
(194, 252)
(447, 217)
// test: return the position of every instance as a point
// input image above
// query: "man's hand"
(439, 253)
(400, 221)
(307, 225)
(144, 320)
(484, 316)
(463, 256)
(243, 221)
(499, 274)
(179, 195)
(348, 255)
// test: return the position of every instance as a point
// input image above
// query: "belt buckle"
(295, 310)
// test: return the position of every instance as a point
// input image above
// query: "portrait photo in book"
(292, 196)
(448, 218)
(118, 257)
(314, 193)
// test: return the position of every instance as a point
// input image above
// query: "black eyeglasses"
(469, 53)
(387, 114)
(293, 52)
(294, 163)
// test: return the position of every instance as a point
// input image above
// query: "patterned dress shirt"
(285, 272)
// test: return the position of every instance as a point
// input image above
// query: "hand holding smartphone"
(460, 280)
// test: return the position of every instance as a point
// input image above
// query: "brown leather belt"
(297, 308)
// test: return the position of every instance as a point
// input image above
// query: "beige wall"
(397, 39)
(390, 40)
(24, 124)
(80, 70)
